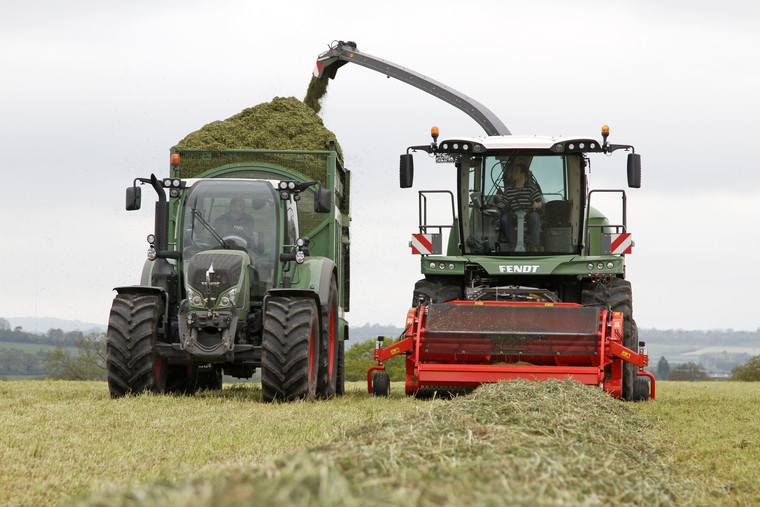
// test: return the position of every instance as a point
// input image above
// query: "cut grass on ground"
(513, 443)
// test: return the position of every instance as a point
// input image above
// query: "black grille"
(226, 272)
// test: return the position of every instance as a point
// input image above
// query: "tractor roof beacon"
(246, 270)
(514, 286)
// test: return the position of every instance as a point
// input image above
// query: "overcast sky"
(94, 93)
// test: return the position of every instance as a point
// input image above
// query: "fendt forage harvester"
(522, 292)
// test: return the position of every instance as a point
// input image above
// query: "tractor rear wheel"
(618, 297)
(290, 349)
(329, 358)
(131, 364)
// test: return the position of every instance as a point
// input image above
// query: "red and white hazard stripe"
(422, 244)
(621, 244)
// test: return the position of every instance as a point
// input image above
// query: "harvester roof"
(516, 142)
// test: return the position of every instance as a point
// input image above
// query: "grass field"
(526, 443)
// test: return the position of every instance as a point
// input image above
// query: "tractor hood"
(216, 278)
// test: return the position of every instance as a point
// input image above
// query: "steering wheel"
(235, 240)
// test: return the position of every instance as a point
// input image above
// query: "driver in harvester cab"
(236, 221)
(523, 193)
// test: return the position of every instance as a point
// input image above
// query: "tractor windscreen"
(521, 202)
(240, 215)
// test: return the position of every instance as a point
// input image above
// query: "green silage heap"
(286, 123)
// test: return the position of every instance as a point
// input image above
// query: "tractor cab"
(227, 217)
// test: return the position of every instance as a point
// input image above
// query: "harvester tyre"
(641, 389)
(381, 384)
(435, 291)
(290, 349)
(131, 364)
(618, 297)
(329, 357)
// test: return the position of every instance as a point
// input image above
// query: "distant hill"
(41, 325)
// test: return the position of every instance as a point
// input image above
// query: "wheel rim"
(311, 355)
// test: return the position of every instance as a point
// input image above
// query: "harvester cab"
(527, 278)
(232, 285)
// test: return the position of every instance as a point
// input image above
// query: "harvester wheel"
(641, 389)
(427, 290)
(131, 364)
(290, 349)
(381, 384)
(329, 358)
(618, 297)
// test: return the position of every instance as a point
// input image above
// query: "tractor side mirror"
(322, 199)
(406, 170)
(634, 170)
(134, 198)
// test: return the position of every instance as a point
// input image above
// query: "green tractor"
(247, 269)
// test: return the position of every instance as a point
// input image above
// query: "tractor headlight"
(194, 298)
(229, 298)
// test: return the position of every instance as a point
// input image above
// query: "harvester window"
(491, 220)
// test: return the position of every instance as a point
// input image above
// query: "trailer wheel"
(381, 384)
(329, 359)
(618, 297)
(209, 377)
(340, 389)
(290, 349)
(436, 291)
(131, 364)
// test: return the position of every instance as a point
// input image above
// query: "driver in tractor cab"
(236, 221)
(523, 193)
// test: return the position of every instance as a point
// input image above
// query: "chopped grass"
(285, 123)
(516, 443)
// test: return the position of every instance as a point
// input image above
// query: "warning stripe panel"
(422, 244)
(621, 244)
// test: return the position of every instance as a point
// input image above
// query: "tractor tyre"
(381, 384)
(428, 291)
(327, 383)
(641, 389)
(618, 297)
(131, 364)
(290, 349)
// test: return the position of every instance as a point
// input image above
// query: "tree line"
(52, 337)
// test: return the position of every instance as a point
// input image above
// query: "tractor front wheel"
(131, 364)
(290, 349)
